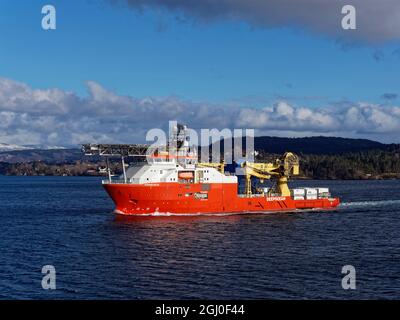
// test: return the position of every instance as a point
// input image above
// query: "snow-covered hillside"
(12, 147)
(4, 147)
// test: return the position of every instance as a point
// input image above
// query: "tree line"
(370, 164)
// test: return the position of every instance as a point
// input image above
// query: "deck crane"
(280, 170)
(220, 166)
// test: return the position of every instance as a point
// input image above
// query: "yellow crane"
(220, 166)
(281, 169)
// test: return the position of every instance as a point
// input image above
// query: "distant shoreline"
(105, 177)
(321, 158)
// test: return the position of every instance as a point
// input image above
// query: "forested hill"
(336, 158)
(268, 145)
(316, 145)
(321, 158)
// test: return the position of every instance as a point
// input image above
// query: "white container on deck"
(298, 192)
(323, 193)
(311, 191)
(298, 197)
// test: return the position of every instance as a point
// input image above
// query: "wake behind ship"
(173, 181)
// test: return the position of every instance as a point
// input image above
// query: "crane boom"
(281, 169)
(220, 166)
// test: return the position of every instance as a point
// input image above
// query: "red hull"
(178, 198)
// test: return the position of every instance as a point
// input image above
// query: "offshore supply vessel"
(173, 182)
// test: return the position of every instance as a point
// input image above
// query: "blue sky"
(219, 62)
(152, 54)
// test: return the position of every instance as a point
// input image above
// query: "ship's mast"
(178, 146)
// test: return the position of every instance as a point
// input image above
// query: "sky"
(113, 69)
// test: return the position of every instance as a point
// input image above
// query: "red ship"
(173, 182)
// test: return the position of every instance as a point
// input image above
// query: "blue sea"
(67, 222)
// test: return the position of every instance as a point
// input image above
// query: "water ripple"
(66, 222)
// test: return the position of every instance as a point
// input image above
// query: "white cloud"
(54, 116)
